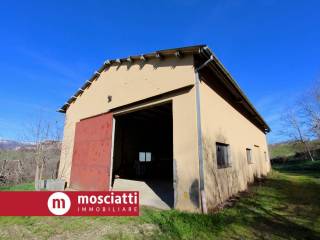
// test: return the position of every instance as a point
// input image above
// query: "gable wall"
(130, 84)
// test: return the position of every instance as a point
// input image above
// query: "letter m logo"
(58, 203)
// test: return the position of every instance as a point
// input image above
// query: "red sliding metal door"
(91, 159)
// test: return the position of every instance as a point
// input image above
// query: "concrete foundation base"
(155, 193)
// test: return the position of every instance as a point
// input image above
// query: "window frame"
(266, 156)
(249, 150)
(145, 157)
(226, 161)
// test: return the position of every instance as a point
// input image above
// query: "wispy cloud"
(27, 106)
(50, 63)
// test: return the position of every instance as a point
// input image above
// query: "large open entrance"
(143, 154)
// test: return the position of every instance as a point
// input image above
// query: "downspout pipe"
(200, 143)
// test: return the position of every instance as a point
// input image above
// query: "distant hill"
(17, 161)
(290, 148)
(13, 145)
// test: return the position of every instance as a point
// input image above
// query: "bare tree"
(41, 134)
(294, 128)
(311, 110)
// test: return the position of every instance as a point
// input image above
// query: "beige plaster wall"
(185, 151)
(222, 123)
(185, 147)
(130, 83)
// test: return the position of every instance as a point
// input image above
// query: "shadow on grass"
(181, 225)
(281, 207)
(300, 167)
(268, 223)
(284, 208)
(295, 172)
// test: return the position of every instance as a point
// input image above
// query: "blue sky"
(49, 48)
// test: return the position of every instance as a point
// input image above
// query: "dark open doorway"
(143, 153)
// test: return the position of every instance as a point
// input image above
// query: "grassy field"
(285, 206)
(20, 187)
(289, 149)
(282, 150)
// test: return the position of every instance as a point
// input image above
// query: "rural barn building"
(172, 121)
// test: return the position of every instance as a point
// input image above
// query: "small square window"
(148, 156)
(145, 157)
(223, 158)
(142, 156)
(249, 155)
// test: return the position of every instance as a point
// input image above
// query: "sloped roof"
(201, 50)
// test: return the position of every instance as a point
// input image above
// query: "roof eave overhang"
(228, 80)
(203, 50)
(161, 54)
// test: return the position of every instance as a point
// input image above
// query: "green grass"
(300, 166)
(19, 187)
(285, 206)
